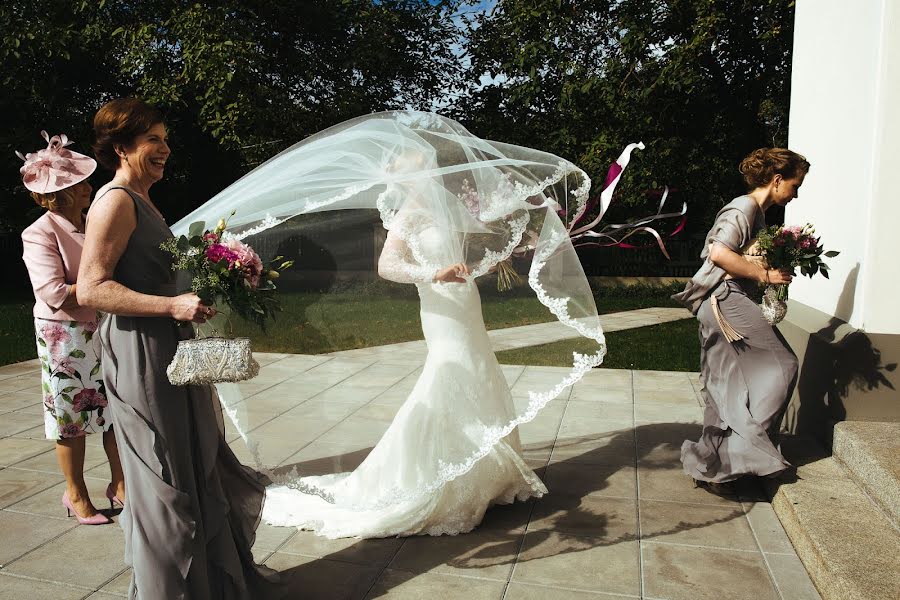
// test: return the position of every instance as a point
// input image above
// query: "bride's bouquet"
(226, 271)
(787, 248)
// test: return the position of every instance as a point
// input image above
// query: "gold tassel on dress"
(731, 334)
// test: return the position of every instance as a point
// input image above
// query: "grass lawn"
(666, 347)
(17, 341)
(314, 323)
(357, 317)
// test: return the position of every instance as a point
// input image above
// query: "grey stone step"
(871, 454)
(847, 544)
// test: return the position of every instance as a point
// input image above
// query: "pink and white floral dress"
(71, 375)
(71, 378)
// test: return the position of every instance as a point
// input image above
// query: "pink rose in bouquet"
(790, 247)
(247, 260)
(220, 252)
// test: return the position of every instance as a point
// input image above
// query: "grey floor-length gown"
(745, 385)
(191, 509)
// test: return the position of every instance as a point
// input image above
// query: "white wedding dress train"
(460, 394)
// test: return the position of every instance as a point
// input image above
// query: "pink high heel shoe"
(113, 499)
(98, 519)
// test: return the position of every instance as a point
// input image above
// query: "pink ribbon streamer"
(614, 232)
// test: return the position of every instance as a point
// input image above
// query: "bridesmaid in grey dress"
(192, 508)
(746, 384)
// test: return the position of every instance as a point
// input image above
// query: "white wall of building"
(845, 117)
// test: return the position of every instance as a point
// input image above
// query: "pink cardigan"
(52, 254)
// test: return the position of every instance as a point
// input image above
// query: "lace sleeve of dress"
(396, 263)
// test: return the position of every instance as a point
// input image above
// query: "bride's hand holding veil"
(452, 274)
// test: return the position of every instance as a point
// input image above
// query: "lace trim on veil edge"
(582, 363)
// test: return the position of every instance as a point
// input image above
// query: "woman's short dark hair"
(761, 165)
(118, 123)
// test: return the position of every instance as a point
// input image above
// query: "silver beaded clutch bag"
(212, 360)
(773, 309)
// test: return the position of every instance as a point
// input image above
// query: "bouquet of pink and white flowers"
(790, 247)
(787, 248)
(226, 270)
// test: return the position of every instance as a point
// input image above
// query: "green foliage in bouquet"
(226, 271)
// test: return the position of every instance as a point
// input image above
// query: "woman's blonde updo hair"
(54, 200)
(763, 164)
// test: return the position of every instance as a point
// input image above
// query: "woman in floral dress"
(72, 379)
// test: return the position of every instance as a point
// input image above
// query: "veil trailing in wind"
(414, 174)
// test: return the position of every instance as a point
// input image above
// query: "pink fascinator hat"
(55, 167)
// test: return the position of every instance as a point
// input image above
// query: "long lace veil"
(406, 172)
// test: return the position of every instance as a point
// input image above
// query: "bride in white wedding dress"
(454, 207)
(461, 388)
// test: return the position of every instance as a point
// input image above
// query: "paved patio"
(621, 520)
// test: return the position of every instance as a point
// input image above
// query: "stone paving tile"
(20, 383)
(272, 450)
(48, 503)
(375, 552)
(608, 379)
(16, 421)
(578, 410)
(400, 585)
(508, 518)
(119, 585)
(16, 484)
(528, 591)
(20, 368)
(696, 524)
(593, 392)
(559, 559)
(95, 462)
(23, 533)
(362, 430)
(323, 579)
(613, 420)
(767, 528)
(270, 538)
(16, 449)
(21, 400)
(692, 573)
(660, 380)
(32, 433)
(610, 519)
(102, 544)
(17, 588)
(482, 554)
(322, 458)
(613, 478)
(682, 396)
(320, 410)
(667, 413)
(791, 577)
(667, 482)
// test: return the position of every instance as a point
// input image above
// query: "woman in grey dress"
(745, 384)
(192, 508)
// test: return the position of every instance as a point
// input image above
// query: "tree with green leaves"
(238, 81)
(701, 82)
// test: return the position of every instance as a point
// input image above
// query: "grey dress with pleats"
(191, 509)
(745, 384)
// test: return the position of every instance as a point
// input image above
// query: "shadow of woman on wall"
(838, 359)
